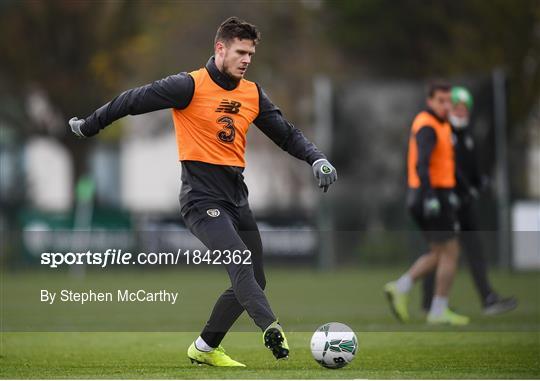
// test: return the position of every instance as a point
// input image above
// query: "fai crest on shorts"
(213, 212)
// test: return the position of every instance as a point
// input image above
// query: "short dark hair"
(438, 85)
(234, 27)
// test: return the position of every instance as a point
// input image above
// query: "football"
(334, 345)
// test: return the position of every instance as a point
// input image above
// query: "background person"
(431, 201)
(471, 183)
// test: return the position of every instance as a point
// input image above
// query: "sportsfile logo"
(229, 107)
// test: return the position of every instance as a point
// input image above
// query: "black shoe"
(495, 305)
(275, 340)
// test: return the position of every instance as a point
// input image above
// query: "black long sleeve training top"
(425, 140)
(203, 180)
(469, 174)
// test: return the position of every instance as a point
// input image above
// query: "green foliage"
(443, 38)
(67, 48)
(82, 53)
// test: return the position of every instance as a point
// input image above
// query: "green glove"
(432, 207)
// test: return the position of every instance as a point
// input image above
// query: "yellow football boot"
(216, 357)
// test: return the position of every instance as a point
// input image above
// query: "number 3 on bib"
(228, 132)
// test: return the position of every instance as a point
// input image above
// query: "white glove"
(76, 124)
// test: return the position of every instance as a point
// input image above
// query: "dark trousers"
(471, 245)
(221, 226)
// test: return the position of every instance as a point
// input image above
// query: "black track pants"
(221, 226)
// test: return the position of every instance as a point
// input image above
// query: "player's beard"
(228, 73)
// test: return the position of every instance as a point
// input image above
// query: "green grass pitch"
(506, 346)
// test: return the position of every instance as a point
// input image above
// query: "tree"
(419, 39)
(70, 51)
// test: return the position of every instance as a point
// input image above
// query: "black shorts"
(441, 228)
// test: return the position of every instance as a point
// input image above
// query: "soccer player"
(432, 203)
(470, 183)
(212, 109)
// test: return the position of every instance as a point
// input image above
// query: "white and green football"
(334, 345)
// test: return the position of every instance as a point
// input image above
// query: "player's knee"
(449, 255)
(452, 247)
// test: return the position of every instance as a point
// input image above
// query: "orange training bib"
(442, 163)
(213, 127)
